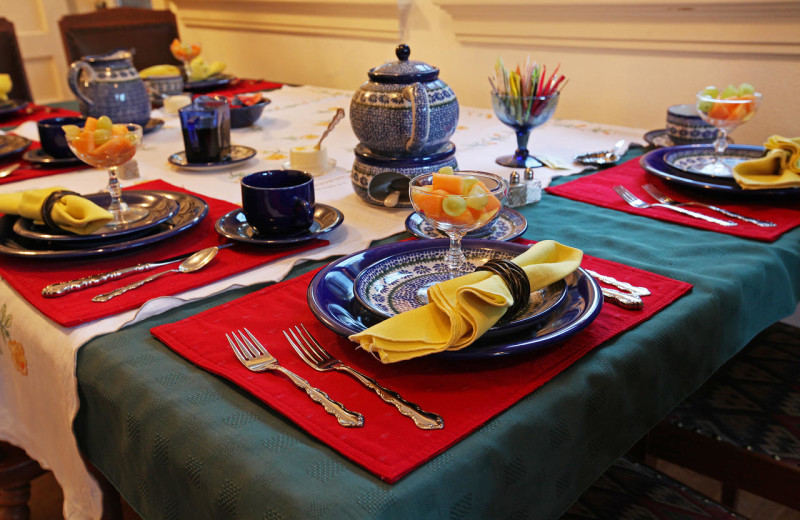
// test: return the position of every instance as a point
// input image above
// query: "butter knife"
(62, 288)
(625, 286)
(623, 299)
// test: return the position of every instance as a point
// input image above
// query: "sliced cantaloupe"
(450, 183)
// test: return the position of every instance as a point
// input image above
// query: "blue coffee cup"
(278, 202)
(52, 137)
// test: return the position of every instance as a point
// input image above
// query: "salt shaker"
(517, 191)
(533, 187)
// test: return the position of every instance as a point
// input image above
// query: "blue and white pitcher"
(108, 84)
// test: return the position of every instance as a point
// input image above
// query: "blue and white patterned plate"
(391, 286)
(508, 225)
(333, 302)
(694, 158)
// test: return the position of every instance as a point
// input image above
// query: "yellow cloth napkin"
(71, 213)
(461, 310)
(780, 168)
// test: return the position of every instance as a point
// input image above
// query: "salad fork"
(319, 359)
(255, 357)
(664, 199)
(636, 202)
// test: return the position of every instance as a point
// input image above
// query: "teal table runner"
(180, 443)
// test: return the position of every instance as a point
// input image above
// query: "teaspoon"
(5, 172)
(195, 262)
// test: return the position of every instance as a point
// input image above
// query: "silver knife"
(623, 299)
(625, 286)
(62, 288)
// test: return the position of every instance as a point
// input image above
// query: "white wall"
(626, 60)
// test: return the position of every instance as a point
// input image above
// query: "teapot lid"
(403, 71)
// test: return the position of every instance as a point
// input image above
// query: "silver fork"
(255, 357)
(665, 199)
(636, 202)
(319, 359)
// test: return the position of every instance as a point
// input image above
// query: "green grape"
(101, 135)
(467, 183)
(454, 205)
(705, 106)
(746, 89)
(711, 92)
(729, 91)
(478, 198)
(71, 130)
(104, 123)
(447, 170)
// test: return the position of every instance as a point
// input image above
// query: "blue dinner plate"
(655, 163)
(332, 300)
(12, 144)
(508, 225)
(13, 106)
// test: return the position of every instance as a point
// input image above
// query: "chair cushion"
(629, 490)
(753, 401)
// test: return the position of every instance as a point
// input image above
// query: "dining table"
(144, 392)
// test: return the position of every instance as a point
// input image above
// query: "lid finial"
(403, 51)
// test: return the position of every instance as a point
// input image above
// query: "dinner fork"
(319, 359)
(636, 202)
(255, 357)
(665, 199)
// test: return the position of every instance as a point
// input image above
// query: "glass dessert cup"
(726, 115)
(455, 214)
(113, 153)
(523, 114)
(185, 53)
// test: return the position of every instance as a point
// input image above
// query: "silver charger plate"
(391, 285)
(42, 158)
(693, 158)
(191, 211)
(239, 154)
(508, 225)
(234, 225)
(159, 208)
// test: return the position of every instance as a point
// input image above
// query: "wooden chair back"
(148, 32)
(11, 62)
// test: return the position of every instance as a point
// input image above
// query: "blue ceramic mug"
(278, 202)
(52, 137)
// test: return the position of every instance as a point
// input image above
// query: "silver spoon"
(195, 262)
(5, 172)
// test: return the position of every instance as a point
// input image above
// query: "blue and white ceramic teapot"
(108, 84)
(404, 109)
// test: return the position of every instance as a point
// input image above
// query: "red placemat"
(243, 86)
(29, 275)
(29, 170)
(597, 189)
(465, 394)
(35, 113)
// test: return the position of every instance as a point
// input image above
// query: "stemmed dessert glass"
(523, 114)
(114, 152)
(185, 53)
(480, 200)
(726, 114)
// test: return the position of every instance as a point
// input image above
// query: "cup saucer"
(661, 139)
(234, 225)
(39, 156)
(508, 225)
(239, 154)
(152, 125)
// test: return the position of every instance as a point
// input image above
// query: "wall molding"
(733, 27)
(362, 19)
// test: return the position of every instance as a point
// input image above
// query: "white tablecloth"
(38, 391)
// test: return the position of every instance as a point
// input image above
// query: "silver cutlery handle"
(424, 420)
(625, 286)
(627, 300)
(343, 415)
(116, 292)
(728, 213)
(725, 223)
(62, 288)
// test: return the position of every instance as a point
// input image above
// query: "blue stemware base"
(517, 161)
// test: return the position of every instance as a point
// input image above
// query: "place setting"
(374, 311)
